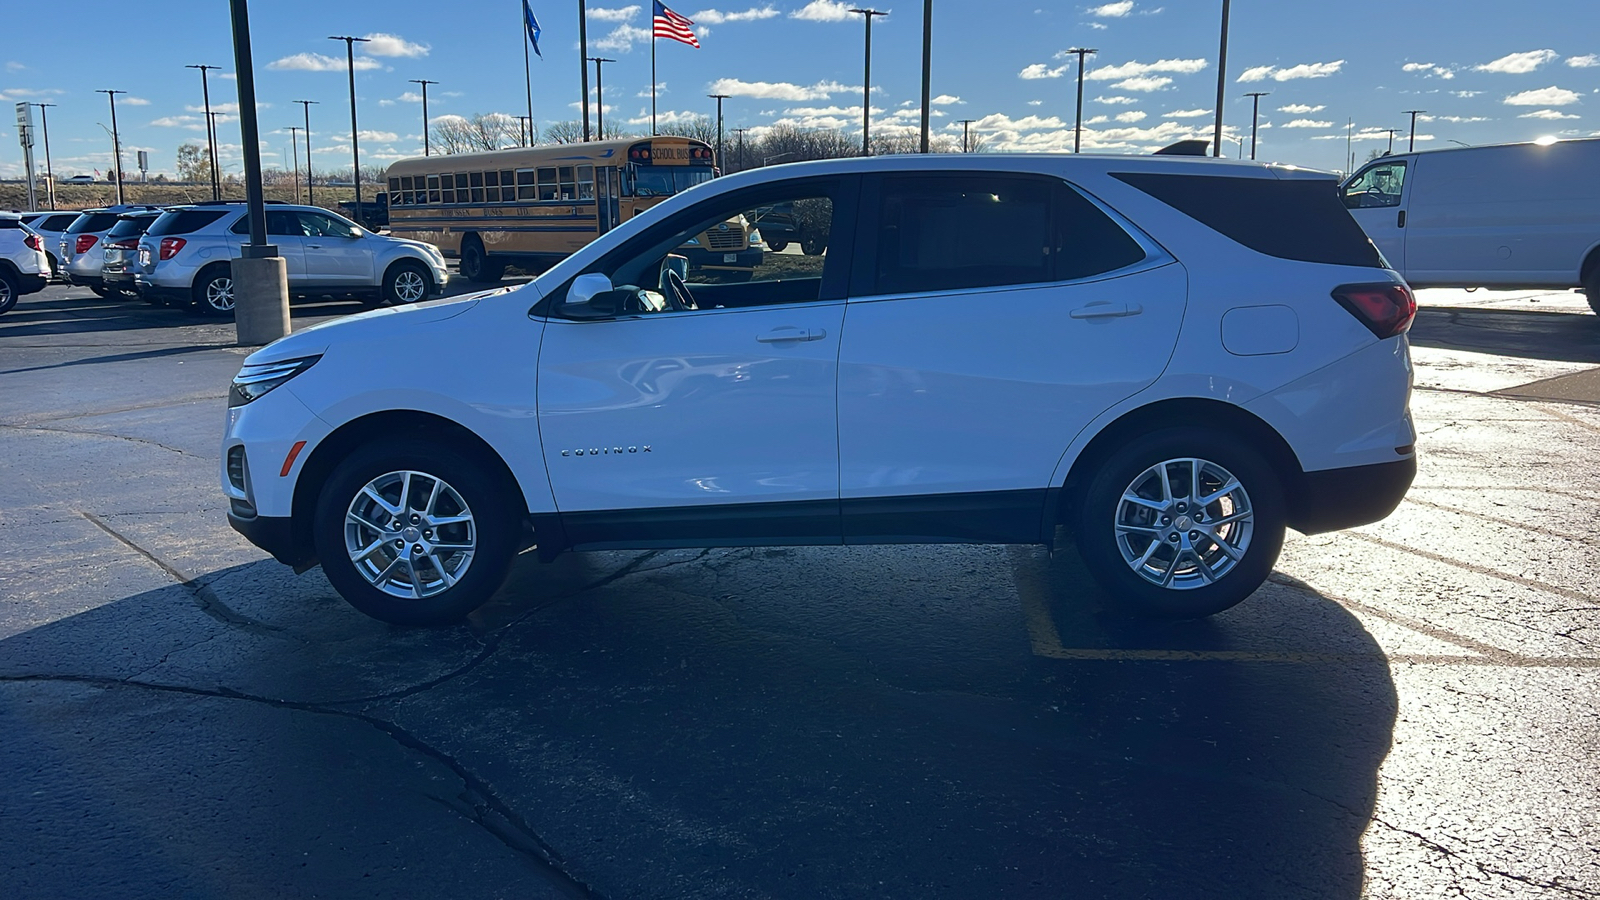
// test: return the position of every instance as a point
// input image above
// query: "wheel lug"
(1182, 507)
(1194, 535)
(415, 518)
(1173, 537)
(399, 543)
(428, 535)
(417, 548)
(1166, 520)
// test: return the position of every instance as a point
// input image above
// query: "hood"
(367, 326)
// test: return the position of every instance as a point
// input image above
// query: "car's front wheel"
(414, 533)
(406, 283)
(1591, 288)
(1182, 522)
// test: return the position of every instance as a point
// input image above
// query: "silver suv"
(24, 268)
(185, 257)
(82, 247)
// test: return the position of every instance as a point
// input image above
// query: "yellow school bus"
(532, 206)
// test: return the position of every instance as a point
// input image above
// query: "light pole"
(116, 142)
(1077, 126)
(927, 66)
(740, 132)
(1255, 108)
(211, 134)
(355, 138)
(719, 98)
(1390, 130)
(260, 276)
(866, 87)
(1412, 141)
(525, 130)
(424, 82)
(965, 134)
(1222, 82)
(583, 67)
(599, 96)
(311, 196)
(294, 142)
(49, 177)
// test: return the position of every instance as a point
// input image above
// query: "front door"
(994, 316)
(711, 421)
(336, 254)
(1376, 198)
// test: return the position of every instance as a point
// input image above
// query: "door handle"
(313, 246)
(791, 333)
(1400, 221)
(1104, 310)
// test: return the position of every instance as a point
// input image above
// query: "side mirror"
(591, 296)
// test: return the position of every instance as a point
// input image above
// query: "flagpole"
(527, 70)
(583, 64)
(652, 76)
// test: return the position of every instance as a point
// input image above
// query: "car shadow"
(1527, 334)
(816, 722)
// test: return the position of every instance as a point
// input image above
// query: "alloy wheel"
(219, 293)
(410, 534)
(410, 286)
(1184, 523)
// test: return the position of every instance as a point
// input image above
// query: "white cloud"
(1097, 120)
(1303, 70)
(1301, 108)
(717, 17)
(1035, 71)
(14, 66)
(1116, 100)
(1547, 114)
(317, 62)
(781, 90)
(1143, 83)
(366, 135)
(946, 100)
(1132, 115)
(190, 122)
(1577, 62)
(661, 88)
(1454, 119)
(622, 38)
(620, 14)
(1130, 69)
(380, 44)
(1307, 123)
(1255, 73)
(1519, 63)
(822, 11)
(1186, 114)
(1466, 95)
(137, 101)
(1112, 10)
(1035, 102)
(1097, 26)
(1550, 96)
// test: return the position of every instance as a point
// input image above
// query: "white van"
(1505, 216)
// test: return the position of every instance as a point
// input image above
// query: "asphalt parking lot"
(1405, 710)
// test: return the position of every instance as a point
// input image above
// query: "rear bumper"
(89, 281)
(31, 284)
(150, 291)
(1331, 499)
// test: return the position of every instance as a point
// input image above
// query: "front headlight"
(254, 381)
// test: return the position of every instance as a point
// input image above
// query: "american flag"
(669, 24)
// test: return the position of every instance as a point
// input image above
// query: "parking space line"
(1559, 591)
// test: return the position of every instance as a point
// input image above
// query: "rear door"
(991, 317)
(1376, 198)
(283, 232)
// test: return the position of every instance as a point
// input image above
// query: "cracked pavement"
(1405, 710)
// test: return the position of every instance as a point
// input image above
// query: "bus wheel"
(475, 263)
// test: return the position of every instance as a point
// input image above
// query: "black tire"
(213, 290)
(811, 246)
(101, 291)
(1101, 505)
(401, 278)
(777, 246)
(475, 263)
(10, 291)
(55, 267)
(495, 537)
(1591, 288)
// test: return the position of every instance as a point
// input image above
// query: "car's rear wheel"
(9, 291)
(100, 290)
(414, 533)
(1182, 523)
(406, 283)
(1591, 288)
(475, 262)
(777, 246)
(213, 291)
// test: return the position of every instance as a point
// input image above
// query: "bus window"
(394, 191)
(526, 189)
(664, 181)
(477, 187)
(586, 182)
(449, 185)
(407, 196)
(507, 179)
(461, 188)
(433, 189)
(569, 190)
(491, 187)
(547, 184)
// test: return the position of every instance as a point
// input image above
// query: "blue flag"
(533, 27)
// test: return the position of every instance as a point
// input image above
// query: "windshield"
(128, 226)
(664, 181)
(92, 222)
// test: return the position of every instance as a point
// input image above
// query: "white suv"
(1173, 358)
(24, 266)
(185, 257)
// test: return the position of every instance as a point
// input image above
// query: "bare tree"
(483, 131)
(701, 128)
(567, 132)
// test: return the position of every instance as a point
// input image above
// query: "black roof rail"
(233, 202)
(1185, 147)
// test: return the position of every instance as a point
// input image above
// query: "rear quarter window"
(1299, 219)
(183, 221)
(10, 223)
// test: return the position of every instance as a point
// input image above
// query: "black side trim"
(274, 534)
(1332, 499)
(988, 517)
(740, 525)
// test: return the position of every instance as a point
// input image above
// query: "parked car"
(1175, 359)
(1506, 216)
(81, 252)
(50, 226)
(122, 251)
(77, 179)
(24, 268)
(185, 257)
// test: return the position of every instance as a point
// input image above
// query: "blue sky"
(1486, 72)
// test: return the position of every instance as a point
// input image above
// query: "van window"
(1376, 187)
(1299, 218)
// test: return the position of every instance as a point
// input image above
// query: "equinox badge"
(607, 451)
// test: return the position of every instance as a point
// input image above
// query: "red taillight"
(129, 244)
(1385, 308)
(31, 242)
(85, 241)
(171, 246)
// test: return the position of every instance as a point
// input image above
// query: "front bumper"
(1332, 499)
(274, 534)
(701, 258)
